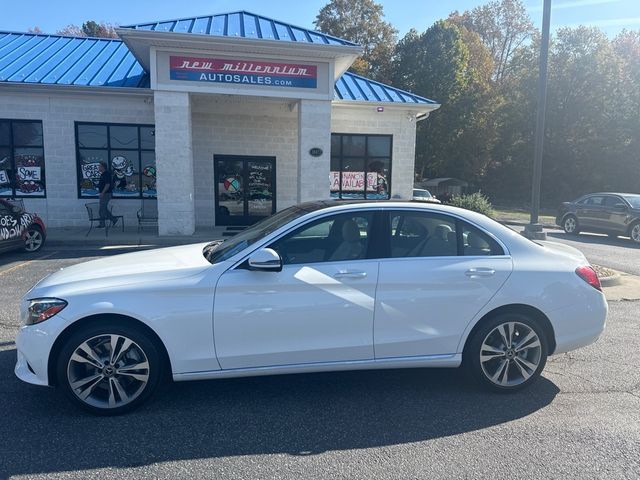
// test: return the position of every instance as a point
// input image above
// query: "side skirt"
(427, 361)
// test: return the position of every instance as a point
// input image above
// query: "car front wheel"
(33, 239)
(109, 369)
(570, 225)
(507, 353)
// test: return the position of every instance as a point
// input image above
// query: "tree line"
(482, 67)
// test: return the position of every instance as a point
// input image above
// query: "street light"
(534, 229)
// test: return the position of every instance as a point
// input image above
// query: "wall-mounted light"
(380, 109)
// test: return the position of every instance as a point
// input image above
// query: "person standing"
(105, 187)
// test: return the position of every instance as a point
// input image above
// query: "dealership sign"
(243, 72)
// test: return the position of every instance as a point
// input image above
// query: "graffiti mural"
(13, 226)
(29, 178)
(123, 176)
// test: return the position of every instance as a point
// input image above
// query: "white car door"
(430, 288)
(319, 308)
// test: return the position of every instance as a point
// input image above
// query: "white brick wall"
(314, 125)
(227, 125)
(58, 112)
(347, 119)
(221, 124)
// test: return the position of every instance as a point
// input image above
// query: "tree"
(90, 28)
(454, 140)
(37, 30)
(503, 26)
(361, 22)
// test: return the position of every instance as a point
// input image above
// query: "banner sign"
(29, 173)
(90, 170)
(354, 181)
(4, 178)
(243, 72)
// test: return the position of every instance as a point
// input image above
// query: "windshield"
(634, 200)
(221, 250)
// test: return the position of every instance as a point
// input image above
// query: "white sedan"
(317, 287)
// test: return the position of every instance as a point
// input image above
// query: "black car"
(611, 213)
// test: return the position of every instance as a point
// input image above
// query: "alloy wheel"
(570, 225)
(635, 233)
(33, 240)
(108, 371)
(510, 354)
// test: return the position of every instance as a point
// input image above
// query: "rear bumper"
(581, 324)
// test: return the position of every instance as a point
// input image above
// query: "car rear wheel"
(507, 353)
(570, 225)
(33, 239)
(634, 233)
(109, 369)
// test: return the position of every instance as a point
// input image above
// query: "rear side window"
(428, 234)
(475, 242)
(422, 234)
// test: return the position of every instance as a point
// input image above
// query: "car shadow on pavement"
(302, 414)
(595, 239)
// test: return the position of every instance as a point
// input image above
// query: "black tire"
(97, 335)
(570, 225)
(34, 240)
(634, 232)
(516, 362)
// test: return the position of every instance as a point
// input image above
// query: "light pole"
(534, 229)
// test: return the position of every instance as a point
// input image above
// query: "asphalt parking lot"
(581, 420)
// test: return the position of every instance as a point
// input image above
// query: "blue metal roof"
(84, 61)
(354, 87)
(242, 24)
(60, 60)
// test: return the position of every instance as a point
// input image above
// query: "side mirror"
(265, 259)
(621, 207)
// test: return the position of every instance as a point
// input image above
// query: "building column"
(174, 163)
(314, 131)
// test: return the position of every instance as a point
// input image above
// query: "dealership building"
(220, 119)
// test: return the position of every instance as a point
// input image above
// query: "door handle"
(480, 272)
(348, 274)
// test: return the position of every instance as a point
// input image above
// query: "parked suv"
(19, 229)
(611, 213)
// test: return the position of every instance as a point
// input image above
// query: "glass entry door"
(245, 189)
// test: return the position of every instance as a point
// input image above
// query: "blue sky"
(51, 15)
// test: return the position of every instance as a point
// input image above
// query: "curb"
(520, 223)
(611, 281)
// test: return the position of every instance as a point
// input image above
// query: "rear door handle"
(480, 272)
(348, 274)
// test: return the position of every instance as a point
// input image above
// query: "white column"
(174, 164)
(314, 131)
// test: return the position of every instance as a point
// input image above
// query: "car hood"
(129, 268)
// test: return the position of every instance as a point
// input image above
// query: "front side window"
(360, 166)
(22, 168)
(343, 237)
(127, 150)
(595, 201)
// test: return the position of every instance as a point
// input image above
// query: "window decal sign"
(4, 178)
(243, 72)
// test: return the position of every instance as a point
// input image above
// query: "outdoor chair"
(148, 214)
(93, 209)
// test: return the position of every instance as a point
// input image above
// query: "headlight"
(41, 309)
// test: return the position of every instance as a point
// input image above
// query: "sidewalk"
(75, 237)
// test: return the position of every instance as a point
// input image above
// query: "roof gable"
(242, 24)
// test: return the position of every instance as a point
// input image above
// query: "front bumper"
(34, 344)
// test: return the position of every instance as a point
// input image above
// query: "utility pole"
(534, 230)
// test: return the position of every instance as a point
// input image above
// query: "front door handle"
(480, 272)
(349, 274)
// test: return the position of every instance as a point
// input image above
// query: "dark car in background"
(611, 213)
(20, 230)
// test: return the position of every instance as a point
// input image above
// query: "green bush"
(474, 201)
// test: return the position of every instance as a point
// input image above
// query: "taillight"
(589, 275)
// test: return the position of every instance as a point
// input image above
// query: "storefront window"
(129, 152)
(22, 171)
(360, 166)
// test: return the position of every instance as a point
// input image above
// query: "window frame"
(139, 150)
(366, 157)
(12, 146)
